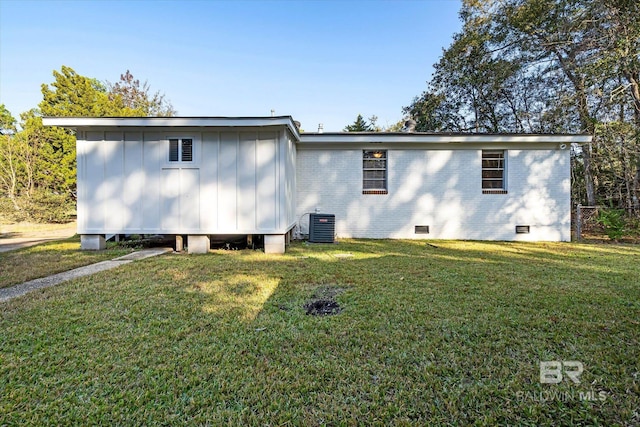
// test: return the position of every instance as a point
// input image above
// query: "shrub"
(633, 225)
(8, 213)
(48, 207)
(613, 221)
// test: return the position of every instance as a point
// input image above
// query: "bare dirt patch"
(28, 229)
(24, 234)
(323, 302)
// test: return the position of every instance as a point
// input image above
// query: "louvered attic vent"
(522, 229)
(187, 150)
(181, 150)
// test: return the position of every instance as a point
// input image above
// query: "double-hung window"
(180, 150)
(374, 172)
(493, 167)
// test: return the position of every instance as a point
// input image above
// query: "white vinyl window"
(180, 150)
(493, 167)
(374, 172)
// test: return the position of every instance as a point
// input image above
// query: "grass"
(446, 335)
(30, 227)
(48, 258)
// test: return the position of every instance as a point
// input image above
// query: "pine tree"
(360, 125)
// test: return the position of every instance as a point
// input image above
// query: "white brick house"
(261, 176)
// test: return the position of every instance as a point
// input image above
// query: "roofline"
(439, 133)
(439, 138)
(311, 137)
(85, 122)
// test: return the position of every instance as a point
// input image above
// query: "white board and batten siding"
(238, 182)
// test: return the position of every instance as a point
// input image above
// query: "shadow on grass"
(9, 235)
(440, 335)
(47, 258)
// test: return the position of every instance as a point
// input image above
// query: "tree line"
(38, 164)
(548, 66)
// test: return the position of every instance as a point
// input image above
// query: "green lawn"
(48, 258)
(446, 335)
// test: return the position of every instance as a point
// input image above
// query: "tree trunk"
(10, 177)
(588, 175)
(634, 81)
(586, 120)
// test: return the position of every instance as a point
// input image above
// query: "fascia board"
(170, 122)
(416, 138)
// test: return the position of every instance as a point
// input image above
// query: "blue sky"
(319, 61)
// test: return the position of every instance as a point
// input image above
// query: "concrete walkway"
(15, 291)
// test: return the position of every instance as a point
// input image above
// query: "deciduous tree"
(9, 156)
(551, 66)
(138, 97)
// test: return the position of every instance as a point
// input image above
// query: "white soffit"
(170, 122)
(444, 138)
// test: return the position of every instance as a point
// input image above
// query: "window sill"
(494, 192)
(375, 192)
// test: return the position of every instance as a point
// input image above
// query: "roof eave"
(444, 138)
(171, 122)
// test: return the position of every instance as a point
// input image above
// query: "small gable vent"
(522, 229)
(422, 229)
(187, 150)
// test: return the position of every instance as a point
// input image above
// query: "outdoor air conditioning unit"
(322, 228)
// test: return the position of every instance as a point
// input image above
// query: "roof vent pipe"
(409, 126)
(320, 128)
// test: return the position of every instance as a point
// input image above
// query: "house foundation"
(198, 244)
(93, 242)
(179, 243)
(274, 243)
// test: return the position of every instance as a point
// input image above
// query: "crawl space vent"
(322, 228)
(422, 229)
(522, 229)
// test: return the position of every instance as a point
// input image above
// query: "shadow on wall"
(133, 188)
(440, 189)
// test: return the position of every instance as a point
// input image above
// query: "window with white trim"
(181, 150)
(374, 172)
(493, 167)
